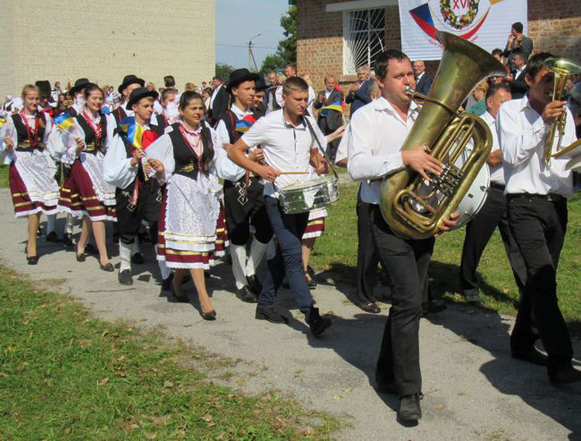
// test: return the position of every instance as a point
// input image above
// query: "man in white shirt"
(537, 214)
(493, 214)
(287, 138)
(376, 135)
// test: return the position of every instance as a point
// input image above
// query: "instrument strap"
(314, 135)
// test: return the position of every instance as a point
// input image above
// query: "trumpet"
(562, 68)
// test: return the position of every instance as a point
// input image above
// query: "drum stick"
(294, 173)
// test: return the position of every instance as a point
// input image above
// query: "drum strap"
(316, 138)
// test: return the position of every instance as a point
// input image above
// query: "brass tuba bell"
(412, 207)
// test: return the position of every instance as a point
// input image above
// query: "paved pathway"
(473, 389)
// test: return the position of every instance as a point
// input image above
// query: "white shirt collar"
(382, 104)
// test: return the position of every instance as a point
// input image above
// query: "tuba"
(412, 207)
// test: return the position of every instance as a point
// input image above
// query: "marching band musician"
(537, 214)
(287, 139)
(370, 158)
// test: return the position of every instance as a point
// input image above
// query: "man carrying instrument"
(537, 214)
(377, 132)
(287, 138)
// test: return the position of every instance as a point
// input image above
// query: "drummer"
(287, 138)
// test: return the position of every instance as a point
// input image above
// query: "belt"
(497, 186)
(551, 197)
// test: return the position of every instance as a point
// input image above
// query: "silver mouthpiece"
(409, 91)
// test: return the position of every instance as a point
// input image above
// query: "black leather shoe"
(166, 283)
(473, 298)
(370, 307)
(317, 323)
(67, 240)
(108, 267)
(409, 408)
(433, 307)
(32, 260)
(254, 284)
(52, 237)
(565, 376)
(312, 284)
(532, 355)
(125, 277)
(269, 314)
(81, 257)
(91, 249)
(246, 295)
(210, 316)
(138, 259)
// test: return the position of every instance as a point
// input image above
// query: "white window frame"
(348, 63)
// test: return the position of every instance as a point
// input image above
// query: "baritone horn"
(412, 207)
(562, 68)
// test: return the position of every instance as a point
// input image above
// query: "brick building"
(62, 40)
(322, 25)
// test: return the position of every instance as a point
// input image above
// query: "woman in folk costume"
(185, 159)
(25, 145)
(85, 192)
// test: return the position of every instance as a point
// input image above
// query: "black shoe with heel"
(409, 408)
(210, 316)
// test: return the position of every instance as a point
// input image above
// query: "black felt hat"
(239, 76)
(140, 93)
(130, 79)
(80, 84)
(260, 84)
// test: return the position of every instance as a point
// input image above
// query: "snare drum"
(475, 197)
(309, 195)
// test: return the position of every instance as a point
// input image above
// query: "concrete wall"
(554, 26)
(105, 40)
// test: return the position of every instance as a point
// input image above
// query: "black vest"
(119, 114)
(187, 163)
(24, 144)
(230, 119)
(92, 145)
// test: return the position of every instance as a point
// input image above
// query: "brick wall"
(553, 25)
(105, 40)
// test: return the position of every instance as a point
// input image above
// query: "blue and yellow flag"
(64, 120)
(132, 131)
(336, 106)
(2, 121)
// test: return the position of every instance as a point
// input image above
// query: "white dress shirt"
(226, 168)
(343, 146)
(376, 135)
(496, 172)
(286, 148)
(522, 133)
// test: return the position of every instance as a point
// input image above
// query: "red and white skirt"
(187, 223)
(32, 184)
(222, 240)
(85, 193)
(316, 225)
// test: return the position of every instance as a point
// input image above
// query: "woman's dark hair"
(188, 96)
(91, 88)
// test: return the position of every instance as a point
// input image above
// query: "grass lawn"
(3, 176)
(336, 251)
(66, 376)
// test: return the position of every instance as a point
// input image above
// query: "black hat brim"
(123, 86)
(249, 77)
(150, 93)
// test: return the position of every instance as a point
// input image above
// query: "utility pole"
(251, 60)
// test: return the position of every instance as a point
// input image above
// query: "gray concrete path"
(473, 389)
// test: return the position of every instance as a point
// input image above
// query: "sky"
(237, 21)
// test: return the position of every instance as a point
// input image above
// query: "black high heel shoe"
(32, 260)
(210, 316)
(108, 267)
(81, 257)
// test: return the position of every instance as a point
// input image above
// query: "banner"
(486, 23)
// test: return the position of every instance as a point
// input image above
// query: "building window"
(363, 38)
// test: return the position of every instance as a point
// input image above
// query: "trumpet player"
(536, 192)
(378, 130)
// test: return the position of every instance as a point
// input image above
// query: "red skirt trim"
(222, 240)
(315, 228)
(23, 205)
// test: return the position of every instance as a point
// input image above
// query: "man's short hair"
(497, 51)
(382, 61)
(496, 87)
(518, 51)
(328, 77)
(293, 66)
(169, 81)
(518, 27)
(294, 84)
(218, 78)
(536, 64)
(374, 89)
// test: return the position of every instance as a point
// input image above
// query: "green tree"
(286, 51)
(223, 70)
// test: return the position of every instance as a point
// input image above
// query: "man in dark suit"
(359, 94)
(423, 80)
(330, 120)
(219, 100)
(516, 39)
(518, 85)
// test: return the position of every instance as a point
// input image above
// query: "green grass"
(3, 176)
(65, 375)
(336, 251)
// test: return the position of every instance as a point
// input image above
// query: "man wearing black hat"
(76, 93)
(516, 39)
(129, 84)
(260, 97)
(243, 197)
(138, 198)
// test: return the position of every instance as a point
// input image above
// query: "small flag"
(2, 121)
(64, 120)
(336, 106)
(133, 131)
(244, 124)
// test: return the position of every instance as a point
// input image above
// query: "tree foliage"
(286, 51)
(223, 70)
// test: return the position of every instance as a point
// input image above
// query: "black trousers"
(129, 217)
(406, 264)
(479, 231)
(539, 227)
(240, 216)
(367, 254)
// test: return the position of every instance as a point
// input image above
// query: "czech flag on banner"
(64, 120)
(133, 131)
(335, 106)
(245, 123)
